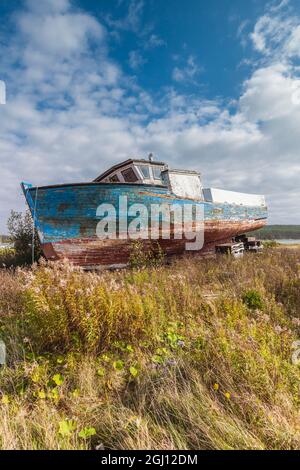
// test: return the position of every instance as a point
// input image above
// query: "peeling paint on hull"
(66, 220)
(95, 252)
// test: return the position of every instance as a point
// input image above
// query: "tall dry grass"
(196, 355)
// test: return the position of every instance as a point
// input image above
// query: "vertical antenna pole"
(33, 226)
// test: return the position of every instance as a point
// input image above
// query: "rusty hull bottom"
(96, 253)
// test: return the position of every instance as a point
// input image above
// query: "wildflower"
(118, 365)
(101, 371)
(227, 395)
(67, 427)
(58, 379)
(42, 395)
(5, 400)
(296, 321)
(138, 421)
(265, 318)
(75, 393)
(86, 433)
(54, 394)
(171, 362)
(278, 329)
(105, 358)
(133, 371)
(216, 387)
(100, 446)
(157, 359)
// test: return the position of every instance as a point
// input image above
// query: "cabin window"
(145, 171)
(114, 179)
(129, 175)
(156, 173)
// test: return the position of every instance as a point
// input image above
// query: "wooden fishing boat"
(67, 216)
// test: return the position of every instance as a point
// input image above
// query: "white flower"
(279, 329)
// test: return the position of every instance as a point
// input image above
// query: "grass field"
(196, 355)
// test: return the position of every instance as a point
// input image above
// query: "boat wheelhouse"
(134, 171)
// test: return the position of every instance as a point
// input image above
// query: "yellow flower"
(42, 394)
(58, 379)
(216, 387)
(5, 400)
(227, 395)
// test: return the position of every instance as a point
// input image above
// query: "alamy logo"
(2, 92)
(157, 221)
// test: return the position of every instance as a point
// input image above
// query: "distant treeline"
(4, 239)
(279, 232)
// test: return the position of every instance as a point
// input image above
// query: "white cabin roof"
(232, 197)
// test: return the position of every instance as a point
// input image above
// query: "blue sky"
(206, 31)
(212, 86)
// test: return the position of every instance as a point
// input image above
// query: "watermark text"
(163, 221)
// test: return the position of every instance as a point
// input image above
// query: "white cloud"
(241, 33)
(188, 72)
(278, 31)
(59, 34)
(155, 41)
(48, 6)
(269, 94)
(136, 60)
(293, 43)
(275, 6)
(132, 21)
(2, 93)
(243, 25)
(271, 32)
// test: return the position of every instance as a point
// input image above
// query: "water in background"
(288, 242)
